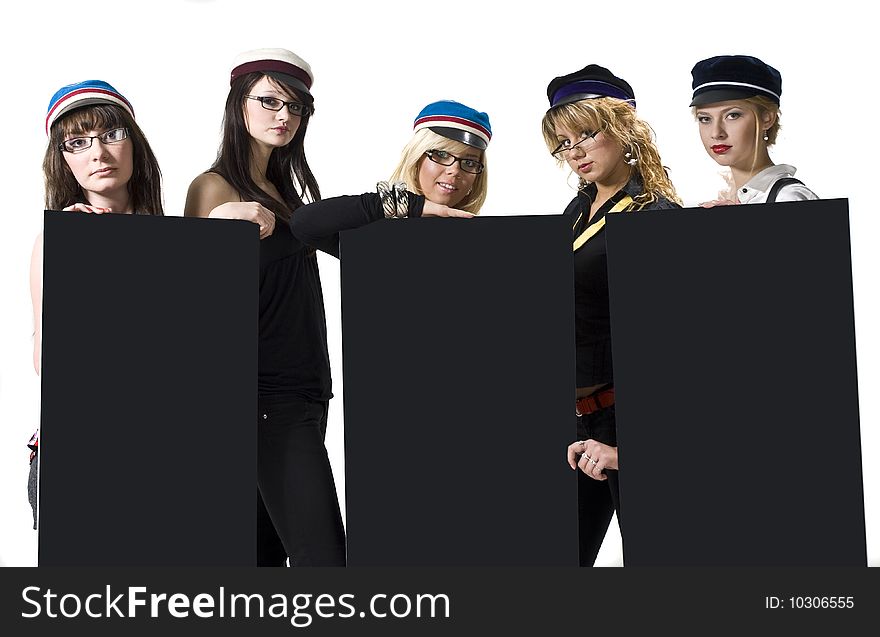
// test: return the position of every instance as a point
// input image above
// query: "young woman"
(261, 174)
(736, 105)
(98, 160)
(592, 126)
(442, 172)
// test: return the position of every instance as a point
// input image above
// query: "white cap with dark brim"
(279, 64)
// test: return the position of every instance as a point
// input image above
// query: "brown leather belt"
(597, 401)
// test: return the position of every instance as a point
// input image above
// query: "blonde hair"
(618, 121)
(413, 155)
(759, 106)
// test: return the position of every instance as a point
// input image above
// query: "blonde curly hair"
(618, 121)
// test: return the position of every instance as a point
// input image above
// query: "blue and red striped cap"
(84, 93)
(590, 82)
(456, 121)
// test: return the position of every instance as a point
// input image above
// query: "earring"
(766, 136)
(629, 159)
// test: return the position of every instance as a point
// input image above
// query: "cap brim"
(722, 95)
(463, 136)
(577, 97)
(69, 107)
(289, 79)
(89, 101)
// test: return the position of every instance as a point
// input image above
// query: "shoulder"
(212, 183)
(661, 203)
(795, 192)
(576, 205)
(206, 192)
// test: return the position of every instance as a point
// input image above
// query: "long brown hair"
(287, 167)
(62, 189)
(617, 119)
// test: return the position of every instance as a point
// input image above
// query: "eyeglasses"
(588, 140)
(275, 104)
(445, 158)
(79, 144)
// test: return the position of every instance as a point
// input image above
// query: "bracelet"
(395, 199)
(387, 197)
(401, 198)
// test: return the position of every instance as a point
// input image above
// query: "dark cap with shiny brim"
(734, 77)
(591, 82)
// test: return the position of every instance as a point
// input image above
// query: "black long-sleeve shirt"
(319, 224)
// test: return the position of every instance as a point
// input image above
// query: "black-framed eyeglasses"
(276, 104)
(79, 144)
(446, 158)
(587, 141)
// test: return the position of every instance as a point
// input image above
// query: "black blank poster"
(734, 362)
(148, 454)
(459, 382)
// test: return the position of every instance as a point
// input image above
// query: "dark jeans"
(297, 509)
(597, 500)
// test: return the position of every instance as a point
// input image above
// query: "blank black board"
(737, 397)
(147, 450)
(458, 347)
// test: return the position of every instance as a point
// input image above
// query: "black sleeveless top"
(293, 357)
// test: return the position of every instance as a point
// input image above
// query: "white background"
(376, 64)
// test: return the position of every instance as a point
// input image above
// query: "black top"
(319, 224)
(293, 356)
(592, 316)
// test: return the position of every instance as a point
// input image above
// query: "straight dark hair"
(62, 189)
(288, 169)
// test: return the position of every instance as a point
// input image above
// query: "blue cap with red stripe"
(84, 93)
(456, 121)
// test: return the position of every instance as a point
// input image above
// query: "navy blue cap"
(734, 77)
(589, 83)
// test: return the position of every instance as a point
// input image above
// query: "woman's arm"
(37, 298)
(319, 224)
(210, 195)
